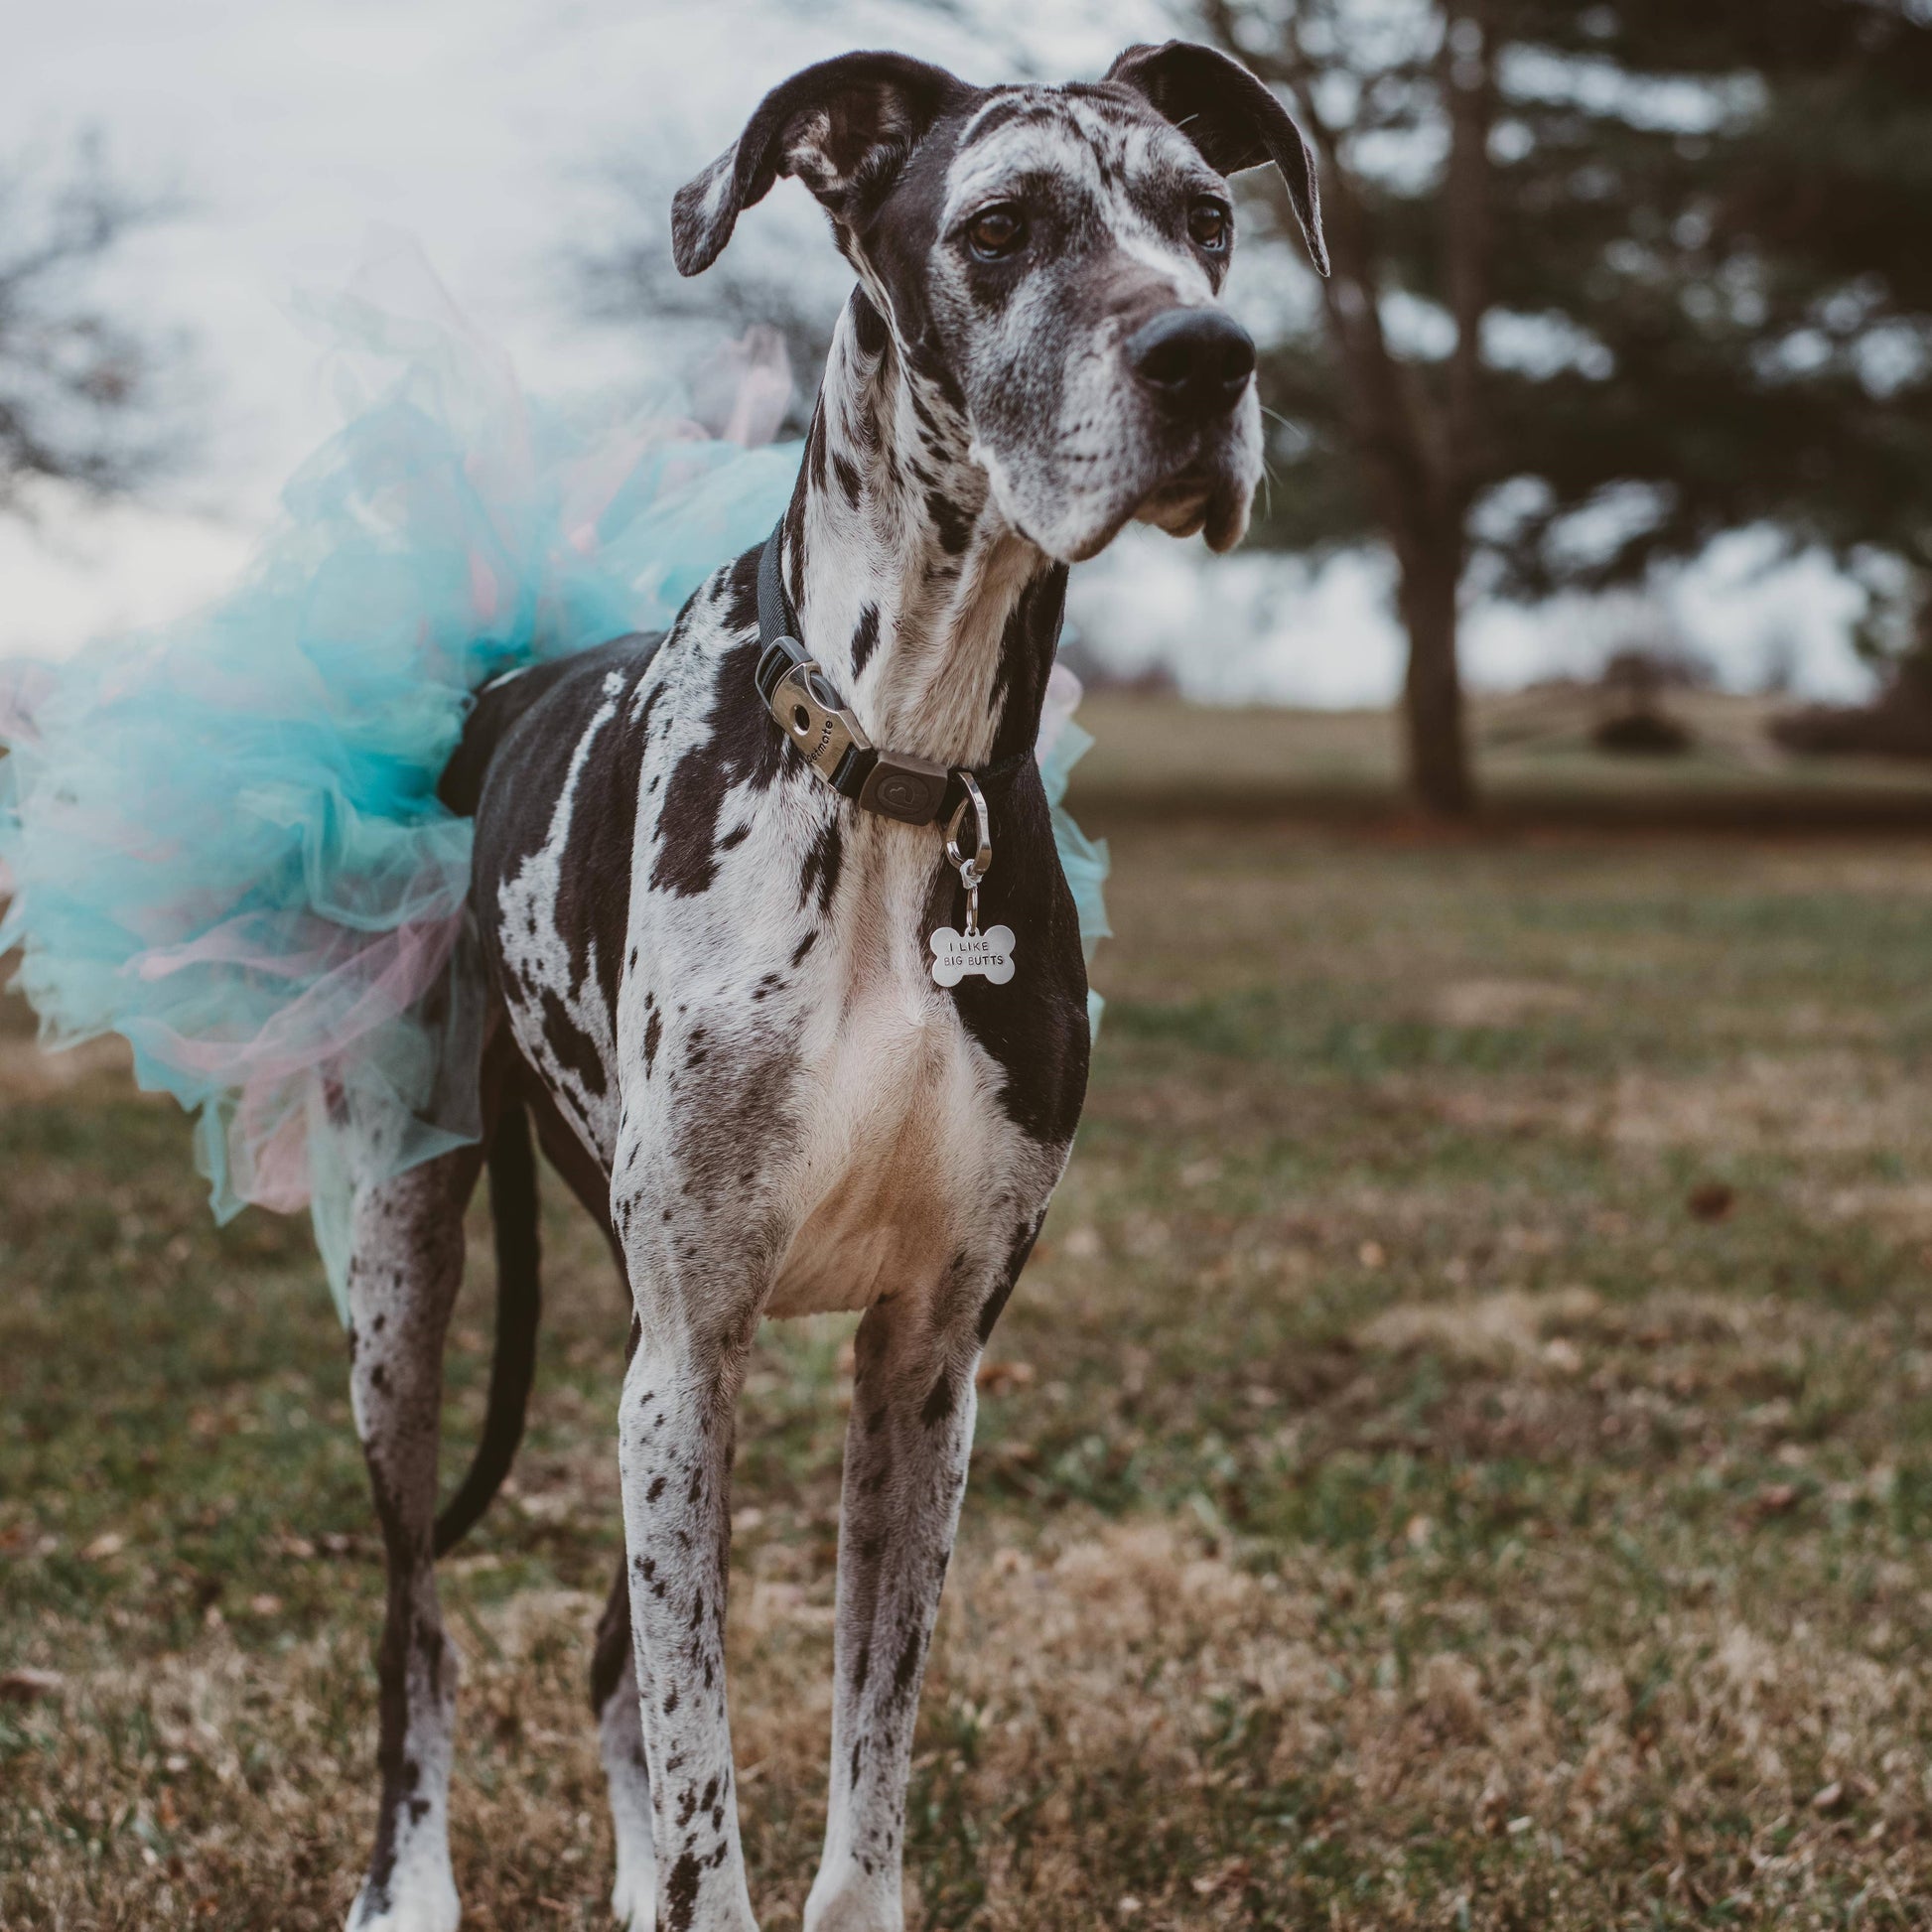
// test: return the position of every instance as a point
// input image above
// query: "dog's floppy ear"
(1234, 121)
(844, 127)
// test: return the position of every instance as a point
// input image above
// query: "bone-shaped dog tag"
(955, 954)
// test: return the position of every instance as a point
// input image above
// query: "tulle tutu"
(222, 838)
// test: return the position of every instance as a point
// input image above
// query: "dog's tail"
(519, 1299)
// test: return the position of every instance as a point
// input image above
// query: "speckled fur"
(712, 972)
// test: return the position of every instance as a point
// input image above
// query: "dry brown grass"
(1462, 1454)
(1123, 1665)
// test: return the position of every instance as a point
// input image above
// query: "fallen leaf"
(996, 1378)
(1830, 1798)
(1711, 1201)
(109, 1543)
(25, 1686)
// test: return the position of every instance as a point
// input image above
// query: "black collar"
(813, 715)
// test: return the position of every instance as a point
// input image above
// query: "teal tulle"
(1062, 744)
(222, 839)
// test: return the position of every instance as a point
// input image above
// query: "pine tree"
(1609, 280)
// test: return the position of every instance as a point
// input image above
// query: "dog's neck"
(925, 606)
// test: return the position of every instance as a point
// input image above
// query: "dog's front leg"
(405, 1268)
(906, 1449)
(674, 1444)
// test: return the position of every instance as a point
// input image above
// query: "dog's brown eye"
(1209, 225)
(996, 232)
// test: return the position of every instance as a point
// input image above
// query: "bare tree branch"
(80, 391)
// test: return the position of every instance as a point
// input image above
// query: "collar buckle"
(807, 710)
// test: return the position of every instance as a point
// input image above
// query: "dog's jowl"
(711, 953)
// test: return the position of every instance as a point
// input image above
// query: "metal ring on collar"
(981, 863)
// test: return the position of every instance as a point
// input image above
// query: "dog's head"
(1048, 260)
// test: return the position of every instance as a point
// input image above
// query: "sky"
(489, 132)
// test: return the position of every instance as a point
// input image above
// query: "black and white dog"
(712, 876)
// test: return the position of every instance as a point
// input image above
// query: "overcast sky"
(487, 130)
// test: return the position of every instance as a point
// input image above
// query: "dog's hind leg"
(906, 1449)
(620, 1739)
(405, 1266)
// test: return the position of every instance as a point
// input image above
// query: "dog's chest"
(721, 973)
(904, 1146)
(869, 1119)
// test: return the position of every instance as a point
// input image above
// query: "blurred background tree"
(86, 399)
(1610, 281)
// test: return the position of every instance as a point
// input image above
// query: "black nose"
(1196, 361)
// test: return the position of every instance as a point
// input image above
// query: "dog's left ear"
(844, 127)
(1234, 121)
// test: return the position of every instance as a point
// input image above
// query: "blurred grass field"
(1460, 1457)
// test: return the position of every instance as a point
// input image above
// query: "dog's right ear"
(844, 127)
(1233, 120)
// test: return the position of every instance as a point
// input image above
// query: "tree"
(1609, 280)
(82, 399)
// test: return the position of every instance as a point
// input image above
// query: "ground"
(1462, 1455)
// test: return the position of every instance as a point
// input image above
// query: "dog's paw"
(429, 1904)
(633, 1898)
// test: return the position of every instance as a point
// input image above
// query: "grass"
(1538, 764)
(1461, 1457)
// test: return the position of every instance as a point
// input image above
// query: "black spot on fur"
(653, 1033)
(905, 1672)
(681, 1894)
(739, 593)
(574, 1049)
(804, 946)
(743, 748)
(794, 548)
(1027, 643)
(515, 756)
(868, 324)
(1022, 1245)
(850, 481)
(940, 1403)
(822, 864)
(610, 1662)
(865, 638)
(1038, 1039)
(815, 440)
(954, 526)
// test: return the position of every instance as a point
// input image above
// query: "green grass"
(1462, 1455)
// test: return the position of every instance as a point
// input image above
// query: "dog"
(715, 871)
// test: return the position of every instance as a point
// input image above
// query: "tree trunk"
(1437, 744)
